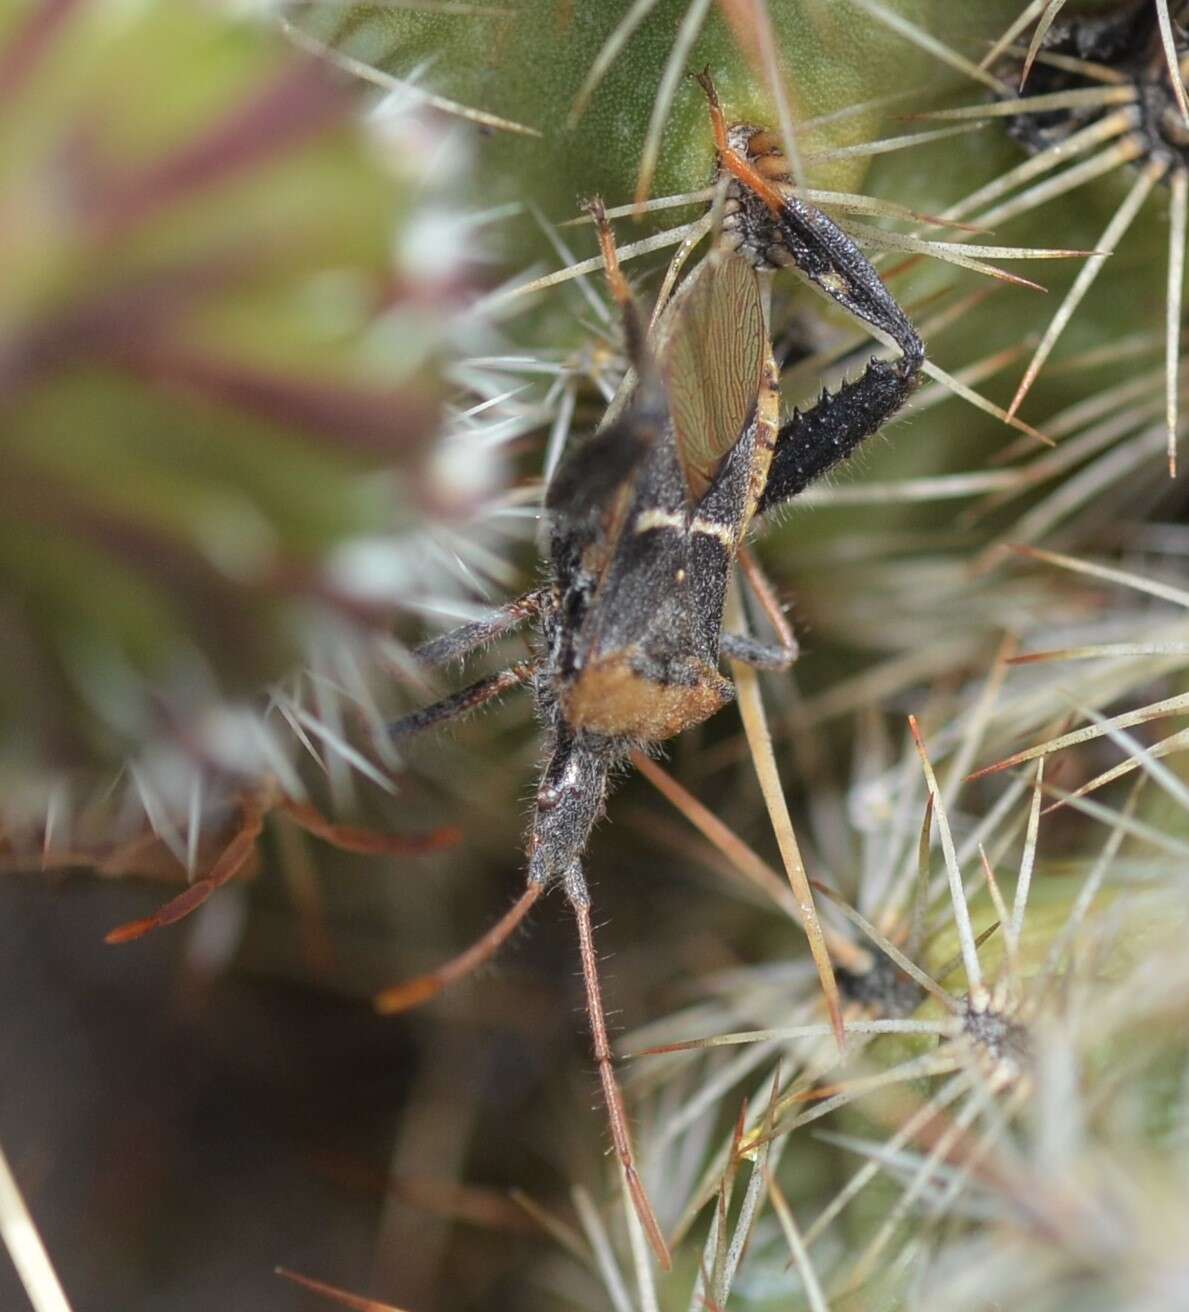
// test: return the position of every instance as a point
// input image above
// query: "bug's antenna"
(413, 992)
(728, 157)
(633, 325)
(620, 1135)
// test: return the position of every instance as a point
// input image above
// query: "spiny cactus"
(1000, 876)
(221, 344)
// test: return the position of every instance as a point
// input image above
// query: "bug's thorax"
(640, 658)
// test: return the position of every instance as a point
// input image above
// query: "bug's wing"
(711, 350)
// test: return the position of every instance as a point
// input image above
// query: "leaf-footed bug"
(648, 514)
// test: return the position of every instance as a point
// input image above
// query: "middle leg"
(464, 701)
(761, 655)
(777, 655)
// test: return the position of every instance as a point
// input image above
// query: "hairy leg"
(569, 800)
(413, 992)
(763, 655)
(464, 701)
(460, 642)
(612, 1095)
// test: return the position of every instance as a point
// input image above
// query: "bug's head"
(760, 178)
(762, 149)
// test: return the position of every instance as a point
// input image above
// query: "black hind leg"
(813, 442)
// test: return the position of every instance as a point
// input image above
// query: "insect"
(647, 515)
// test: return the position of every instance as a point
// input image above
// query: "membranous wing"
(711, 347)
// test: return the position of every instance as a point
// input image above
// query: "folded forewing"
(711, 350)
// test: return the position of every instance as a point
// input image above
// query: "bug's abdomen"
(646, 664)
(628, 695)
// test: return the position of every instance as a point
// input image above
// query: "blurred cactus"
(608, 107)
(219, 349)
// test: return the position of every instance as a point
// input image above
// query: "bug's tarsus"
(761, 655)
(414, 992)
(253, 806)
(717, 122)
(765, 594)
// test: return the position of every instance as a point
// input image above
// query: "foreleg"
(812, 443)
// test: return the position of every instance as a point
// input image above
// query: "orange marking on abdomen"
(612, 699)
